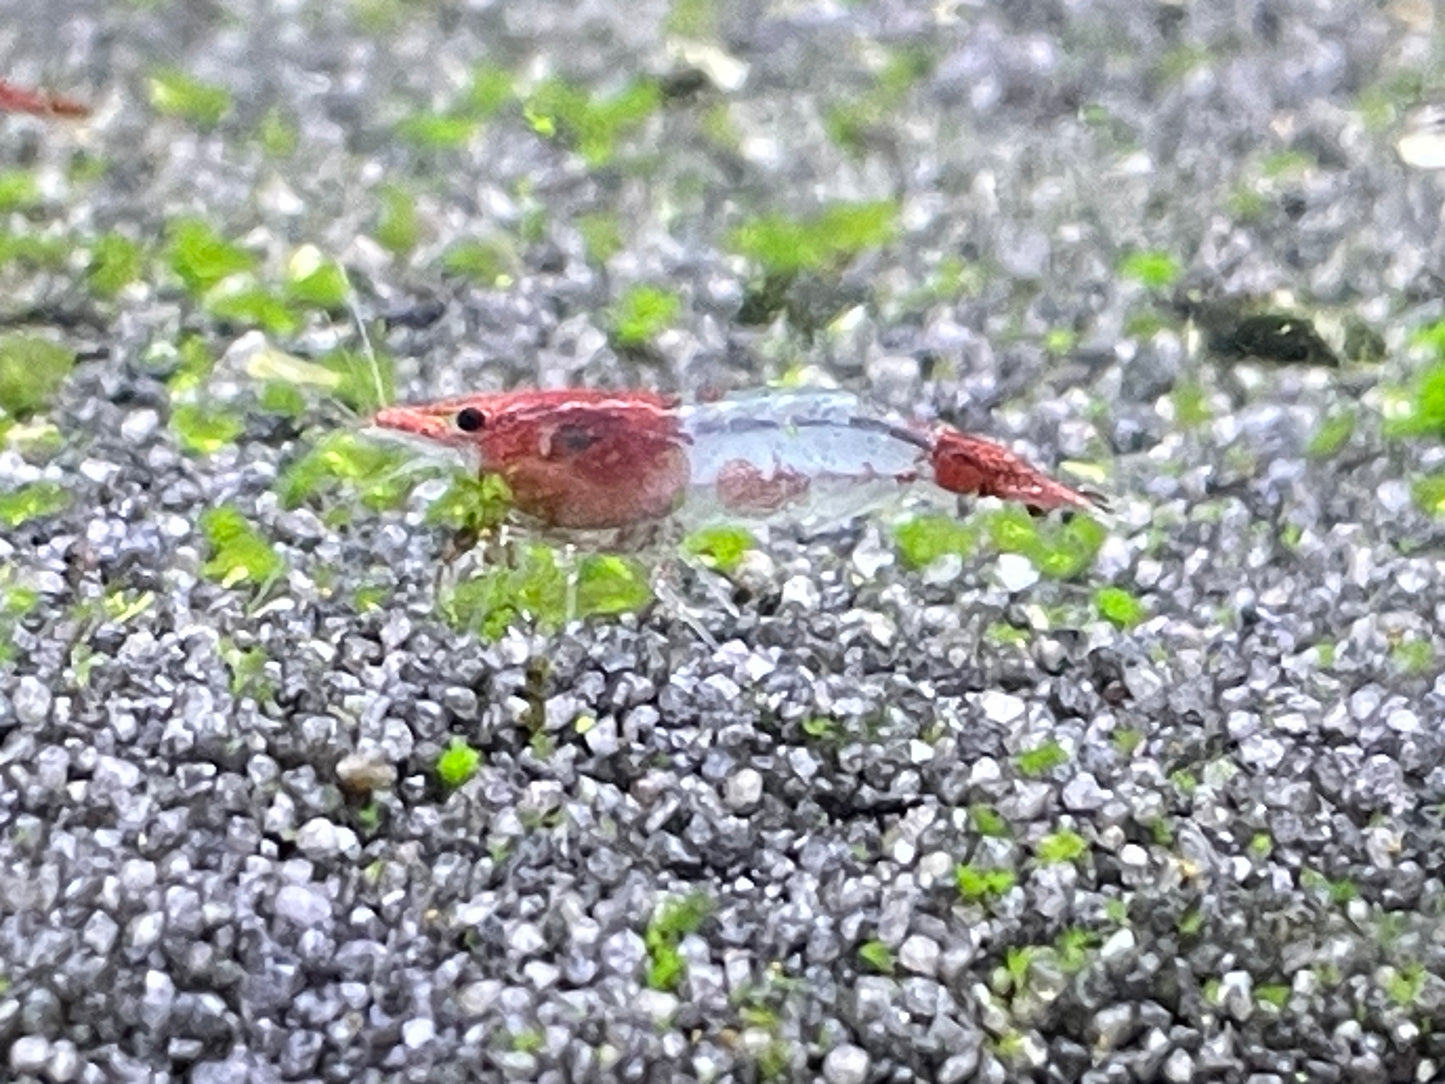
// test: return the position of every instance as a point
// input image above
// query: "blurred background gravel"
(959, 824)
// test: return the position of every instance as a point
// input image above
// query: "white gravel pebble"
(1015, 572)
(138, 425)
(919, 954)
(1403, 721)
(418, 1032)
(32, 700)
(29, 1053)
(846, 1064)
(1002, 708)
(802, 592)
(744, 789)
(303, 905)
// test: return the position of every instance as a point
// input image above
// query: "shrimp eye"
(470, 419)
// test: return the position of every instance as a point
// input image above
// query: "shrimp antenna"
(354, 308)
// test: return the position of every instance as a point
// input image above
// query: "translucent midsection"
(811, 433)
(797, 457)
(829, 503)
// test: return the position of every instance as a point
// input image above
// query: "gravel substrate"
(946, 824)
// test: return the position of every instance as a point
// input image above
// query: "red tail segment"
(15, 99)
(966, 464)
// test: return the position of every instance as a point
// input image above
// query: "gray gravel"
(1227, 866)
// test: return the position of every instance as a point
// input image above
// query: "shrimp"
(590, 460)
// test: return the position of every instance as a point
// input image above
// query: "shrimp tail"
(969, 465)
(15, 99)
